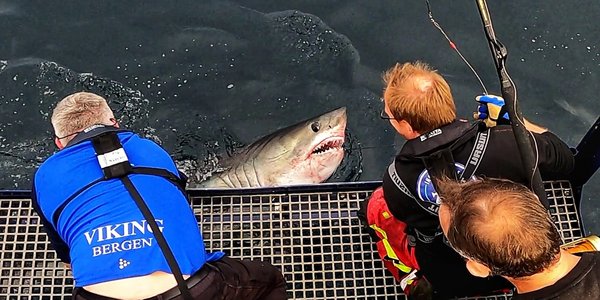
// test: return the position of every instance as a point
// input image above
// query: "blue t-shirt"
(106, 234)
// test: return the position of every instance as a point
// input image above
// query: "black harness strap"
(178, 182)
(60, 209)
(160, 238)
(115, 164)
(476, 156)
(397, 181)
(441, 163)
(111, 155)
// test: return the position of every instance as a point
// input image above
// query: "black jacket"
(411, 198)
(500, 159)
(583, 282)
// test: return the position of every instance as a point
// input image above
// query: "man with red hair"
(418, 103)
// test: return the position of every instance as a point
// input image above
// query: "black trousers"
(447, 272)
(225, 279)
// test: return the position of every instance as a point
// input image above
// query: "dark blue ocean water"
(207, 77)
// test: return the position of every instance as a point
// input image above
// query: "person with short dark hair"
(90, 212)
(501, 228)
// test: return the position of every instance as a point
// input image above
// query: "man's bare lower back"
(135, 287)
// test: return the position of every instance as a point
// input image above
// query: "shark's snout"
(339, 117)
(331, 133)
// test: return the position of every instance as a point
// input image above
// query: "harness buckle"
(111, 155)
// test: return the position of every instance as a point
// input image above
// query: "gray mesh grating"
(563, 209)
(29, 265)
(314, 238)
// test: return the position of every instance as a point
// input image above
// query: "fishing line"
(453, 46)
(515, 102)
(367, 147)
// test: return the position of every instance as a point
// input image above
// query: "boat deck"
(310, 232)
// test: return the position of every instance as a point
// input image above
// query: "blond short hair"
(416, 93)
(79, 111)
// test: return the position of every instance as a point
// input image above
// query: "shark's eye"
(315, 126)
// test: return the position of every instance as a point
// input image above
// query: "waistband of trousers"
(201, 277)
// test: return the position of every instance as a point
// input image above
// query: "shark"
(307, 152)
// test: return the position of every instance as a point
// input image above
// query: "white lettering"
(158, 222)
(126, 245)
(147, 242)
(89, 237)
(138, 226)
(430, 134)
(478, 152)
(100, 234)
(434, 208)
(434, 133)
(476, 157)
(111, 232)
(92, 128)
(115, 247)
(137, 244)
(96, 251)
(112, 158)
(121, 230)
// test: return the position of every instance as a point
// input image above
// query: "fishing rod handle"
(523, 140)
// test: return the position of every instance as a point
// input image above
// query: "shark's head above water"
(304, 153)
(317, 150)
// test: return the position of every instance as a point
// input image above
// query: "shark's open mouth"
(330, 144)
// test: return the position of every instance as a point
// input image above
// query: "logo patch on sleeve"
(426, 192)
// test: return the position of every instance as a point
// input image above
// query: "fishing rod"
(529, 155)
(523, 137)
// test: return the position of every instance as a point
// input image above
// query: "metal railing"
(310, 232)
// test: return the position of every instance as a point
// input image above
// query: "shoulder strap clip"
(111, 155)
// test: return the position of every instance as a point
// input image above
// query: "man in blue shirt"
(94, 223)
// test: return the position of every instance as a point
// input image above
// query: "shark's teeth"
(332, 144)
